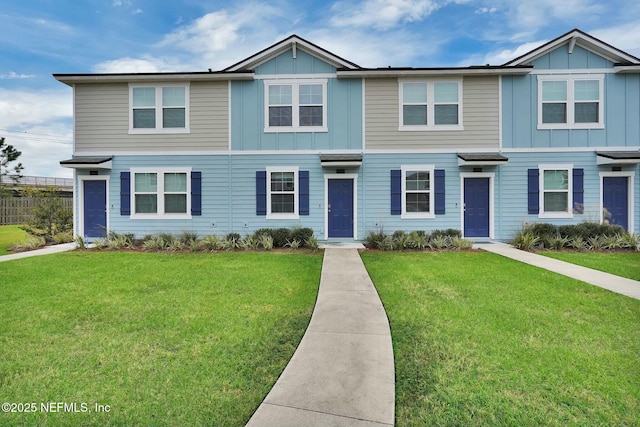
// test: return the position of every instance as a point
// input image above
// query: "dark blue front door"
(340, 209)
(476, 207)
(615, 200)
(95, 208)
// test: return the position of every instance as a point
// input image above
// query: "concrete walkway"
(342, 373)
(44, 251)
(620, 285)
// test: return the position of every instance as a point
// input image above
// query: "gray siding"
(480, 116)
(102, 121)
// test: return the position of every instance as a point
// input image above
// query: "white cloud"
(146, 64)
(381, 14)
(40, 125)
(483, 10)
(499, 57)
(624, 37)
(13, 75)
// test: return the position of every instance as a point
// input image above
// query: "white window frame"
(296, 193)
(431, 125)
(295, 106)
(555, 214)
(159, 110)
(570, 80)
(160, 193)
(418, 215)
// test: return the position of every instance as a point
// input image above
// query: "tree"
(50, 216)
(8, 155)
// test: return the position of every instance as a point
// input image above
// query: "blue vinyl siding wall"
(344, 109)
(303, 63)
(344, 120)
(621, 107)
(229, 192)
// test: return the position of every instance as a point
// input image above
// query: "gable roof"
(582, 39)
(292, 42)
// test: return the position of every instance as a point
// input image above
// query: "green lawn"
(620, 263)
(10, 235)
(163, 339)
(482, 340)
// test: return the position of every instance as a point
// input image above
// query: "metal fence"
(16, 210)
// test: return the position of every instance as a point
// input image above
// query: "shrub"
(440, 241)
(249, 243)
(29, 243)
(461, 244)
(556, 242)
(526, 240)
(64, 237)
(374, 239)
(449, 232)
(211, 243)
(280, 237)
(187, 236)
(312, 243)
(293, 244)
(419, 240)
(543, 230)
(119, 241)
(266, 241)
(301, 234)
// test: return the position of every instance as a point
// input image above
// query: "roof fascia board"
(71, 79)
(382, 73)
(293, 42)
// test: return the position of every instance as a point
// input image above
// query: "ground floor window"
(158, 193)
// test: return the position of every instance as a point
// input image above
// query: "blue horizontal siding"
(344, 120)
(621, 107)
(229, 192)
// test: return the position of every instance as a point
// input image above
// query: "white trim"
(320, 76)
(491, 176)
(296, 192)
(571, 71)
(548, 167)
(418, 215)
(500, 113)
(82, 179)
(354, 178)
(364, 119)
(160, 192)
(295, 106)
(229, 117)
(158, 109)
(630, 197)
(430, 104)
(570, 101)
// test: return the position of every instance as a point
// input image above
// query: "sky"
(43, 37)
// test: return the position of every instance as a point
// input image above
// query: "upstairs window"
(430, 105)
(295, 106)
(572, 102)
(158, 109)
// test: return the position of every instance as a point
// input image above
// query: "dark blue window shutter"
(196, 193)
(439, 191)
(578, 191)
(303, 192)
(125, 193)
(396, 192)
(261, 193)
(534, 190)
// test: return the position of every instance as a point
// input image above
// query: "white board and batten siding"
(106, 123)
(480, 118)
